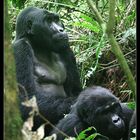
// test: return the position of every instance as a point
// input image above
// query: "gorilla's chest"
(51, 71)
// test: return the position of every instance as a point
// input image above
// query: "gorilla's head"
(42, 29)
(97, 107)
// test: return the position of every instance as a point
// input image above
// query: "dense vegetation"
(93, 43)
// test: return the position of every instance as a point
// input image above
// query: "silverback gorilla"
(46, 68)
(45, 64)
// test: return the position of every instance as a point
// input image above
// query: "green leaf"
(134, 130)
(82, 135)
(87, 25)
(18, 3)
(131, 105)
(90, 20)
(87, 18)
(92, 137)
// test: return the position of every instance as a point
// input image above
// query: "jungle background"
(102, 34)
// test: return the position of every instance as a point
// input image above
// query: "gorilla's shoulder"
(22, 48)
(20, 42)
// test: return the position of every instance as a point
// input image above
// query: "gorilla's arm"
(70, 125)
(24, 68)
(53, 108)
(72, 73)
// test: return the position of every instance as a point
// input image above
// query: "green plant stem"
(119, 54)
(115, 46)
(98, 16)
(111, 20)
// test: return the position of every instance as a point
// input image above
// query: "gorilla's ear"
(86, 112)
(82, 112)
(79, 107)
(29, 27)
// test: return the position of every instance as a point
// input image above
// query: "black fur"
(97, 107)
(45, 64)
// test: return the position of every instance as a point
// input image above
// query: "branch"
(111, 20)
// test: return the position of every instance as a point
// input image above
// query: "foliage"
(131, 105)
(87, 23)
(134, 131)
(18, 3)
(93, 135)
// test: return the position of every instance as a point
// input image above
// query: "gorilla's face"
(109, 121)
(48, 31)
